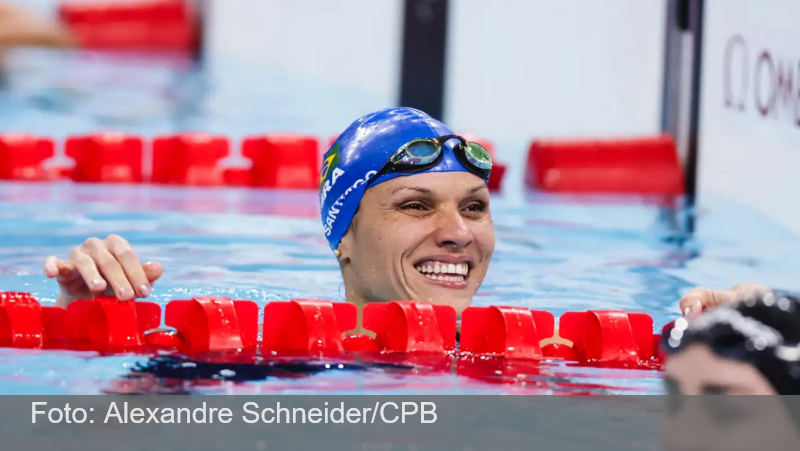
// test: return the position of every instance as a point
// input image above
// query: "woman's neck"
(360, 303)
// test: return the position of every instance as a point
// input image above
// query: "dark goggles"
(425, 153)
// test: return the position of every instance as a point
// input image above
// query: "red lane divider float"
(511, 332)
(189, 159)
(22, 157)
(105, 158)
(402, 330)
(307, 326)
(20, 321)
(411, 327)
(286, 161)
(214, 324)
(609, 336)
(648, 166)
(106, 324)
(283, 161)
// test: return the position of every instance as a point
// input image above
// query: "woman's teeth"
(451, 272)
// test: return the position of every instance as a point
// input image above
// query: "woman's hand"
(21, 27)
(98, 266)
(695, 301)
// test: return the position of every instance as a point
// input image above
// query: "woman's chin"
(458, 298)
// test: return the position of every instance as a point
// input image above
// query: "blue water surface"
(552, 253)
(555, 253)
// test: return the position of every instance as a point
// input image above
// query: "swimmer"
(404, 207)
(747, 347)
(751, 346)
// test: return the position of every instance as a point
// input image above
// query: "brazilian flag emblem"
(329, 164)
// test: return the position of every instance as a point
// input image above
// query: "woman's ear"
(343, 252)
(346, 245)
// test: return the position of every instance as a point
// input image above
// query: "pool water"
(555, 253)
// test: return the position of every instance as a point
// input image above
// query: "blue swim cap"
(361, 151)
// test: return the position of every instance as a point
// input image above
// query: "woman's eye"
(727, 416)
(476, 206)
(724, 411)
(413, 206)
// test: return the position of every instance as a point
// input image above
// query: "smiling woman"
(418, 227)
(404, 207)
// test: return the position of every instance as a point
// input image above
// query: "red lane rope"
(315, 328)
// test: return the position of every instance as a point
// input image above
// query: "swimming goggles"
(425, 153)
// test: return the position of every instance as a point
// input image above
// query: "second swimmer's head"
(405, 207)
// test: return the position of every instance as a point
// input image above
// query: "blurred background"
(720, 76)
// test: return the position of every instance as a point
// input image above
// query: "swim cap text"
(333, 211)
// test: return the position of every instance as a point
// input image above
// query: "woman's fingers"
(130, 264)
(107, 267)
(695, 301)
(110, 268)
(698, 299)
(88, 270)
(152, 271)
(51, 266)
(750, 290)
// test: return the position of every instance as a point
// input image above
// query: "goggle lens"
(417, 153)
(478, 156)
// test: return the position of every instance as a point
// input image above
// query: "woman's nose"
(452, 230)
(685, 429)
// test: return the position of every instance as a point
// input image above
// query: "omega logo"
(761, 79)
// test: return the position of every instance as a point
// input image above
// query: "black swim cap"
(761, 331)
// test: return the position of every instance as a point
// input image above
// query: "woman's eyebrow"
(418, 189)
(477, 188)
(430, 192)
(715, 388)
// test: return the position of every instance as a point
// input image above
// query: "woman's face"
(698, 371)
(425, 237)
(730, 423)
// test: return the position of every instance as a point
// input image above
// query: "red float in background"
(189, 159)
(646, 166)
(146, 25)
(283, 161)
(22, 156)
(308, 327)
(511, 332)
(286, 161)
(105, 158)
(407, 326)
